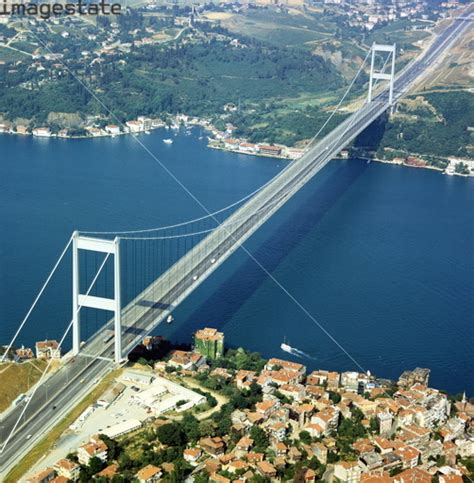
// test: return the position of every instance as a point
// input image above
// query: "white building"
(42, 132)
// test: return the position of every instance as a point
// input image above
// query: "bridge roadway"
(63, 389)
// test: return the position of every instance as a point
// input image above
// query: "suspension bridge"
(162, 266)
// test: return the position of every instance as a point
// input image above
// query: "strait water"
(381, 256)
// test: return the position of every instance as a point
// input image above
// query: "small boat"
(285, 347)
(169, 319)
(147, 132)
(168, 141)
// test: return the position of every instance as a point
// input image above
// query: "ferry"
(169, 319)
(168, 141)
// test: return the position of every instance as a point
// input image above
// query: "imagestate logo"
(48, 10)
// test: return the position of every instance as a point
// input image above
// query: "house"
(149, 474)
(48, 349)
(68, 469)
(60, 479)
(237, 465)
(328, 419)
(266, 469)
(320, 451)
(94, 449)
(23, 130)
(134, 126)
(347, 471)
(43, 476)
(112, 129)
(42, 132)
(370, 461)
(315, 430)
(215, 478)
(265, 408)
(108, 472)
(243, 446)
(24, 353)
(408, 455)
(295, 391)
(191, 455)
(277, 431)
(213, 446)
(269, 150)
(318, 378)
(186, 360)
(413, 475)
(243, 379)
(248, 148)
(275, 364)
(231, 143)
(308, 475)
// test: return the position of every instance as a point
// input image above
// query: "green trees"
(260, 438)
(305, 437)
(172, 434)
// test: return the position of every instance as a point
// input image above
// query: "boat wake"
(295, 352)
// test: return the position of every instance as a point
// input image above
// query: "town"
(221, 415)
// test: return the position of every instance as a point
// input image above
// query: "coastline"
(221, 141)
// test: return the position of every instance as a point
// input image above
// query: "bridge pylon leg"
(117, 297)
(76, 321)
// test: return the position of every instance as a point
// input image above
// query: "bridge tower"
(101, 303)
(374, 75)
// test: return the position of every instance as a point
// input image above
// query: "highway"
(77, 377)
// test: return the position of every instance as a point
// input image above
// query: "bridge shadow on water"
(281, 234)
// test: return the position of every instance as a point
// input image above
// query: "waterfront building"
(48, 349)
(209, 343)
(112, 129)
(269, 150)
(42, 132)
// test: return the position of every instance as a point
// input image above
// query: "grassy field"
(30, 459)
(16, 379)
(287, 30)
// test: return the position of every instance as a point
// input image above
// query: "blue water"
(380, 256)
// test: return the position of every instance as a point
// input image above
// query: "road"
(76, 378)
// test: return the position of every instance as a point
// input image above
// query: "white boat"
(147, 132)
(169, 319)
(168, 141)
(285, 347)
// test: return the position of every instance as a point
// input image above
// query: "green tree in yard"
(305, 437)
(191, 427)
(260, 438)
(172, 434)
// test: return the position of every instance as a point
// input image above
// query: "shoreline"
(219, 138)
